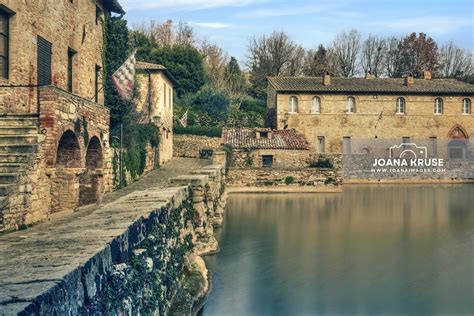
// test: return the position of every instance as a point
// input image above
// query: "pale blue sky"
(231, 23)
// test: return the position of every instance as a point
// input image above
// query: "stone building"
(54, 129)
(334, 113)
(155, 103)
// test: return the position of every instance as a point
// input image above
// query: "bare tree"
(184, 34)
(455, 62)
(215, 61)
(346, 48)
(316, 61)
(374, 50)
(393, 63)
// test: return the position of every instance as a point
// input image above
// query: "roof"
(141, 65)
(376, 85)
(113, 6)
(245, 138)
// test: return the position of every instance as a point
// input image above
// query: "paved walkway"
(37, 259)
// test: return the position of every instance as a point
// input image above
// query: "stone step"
(18, 120)
(7, 178)
(14, 158)
(11, 167)
(5, 189)
(18, 139)
(18, 148)
(3, 204)
(18, 130)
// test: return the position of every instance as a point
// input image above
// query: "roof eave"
(113, 6)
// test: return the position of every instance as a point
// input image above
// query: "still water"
(370, 250)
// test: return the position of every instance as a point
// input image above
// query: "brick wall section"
(66, 25)
(190, 145)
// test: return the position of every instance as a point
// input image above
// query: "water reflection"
(371, 250)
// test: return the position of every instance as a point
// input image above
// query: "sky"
(232, 23)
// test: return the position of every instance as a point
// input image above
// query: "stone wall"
(190, 145)
(66, 25)
(151, 265)
(150, 164)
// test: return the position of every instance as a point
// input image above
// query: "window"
(293, 108)
(316, 106)
(351, 105)
(70, 69)
(400, 106)
(164, 96)
(4, 42)
(346, 145)
(45, 51)
(434, 145)
(267, 161)
(466, 106)
(457, 149)
(438, 106)
(263, 134)
(405, 140)
(321, 144)
(98, 69)
(169, 97)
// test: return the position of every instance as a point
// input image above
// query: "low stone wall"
(190, 145)
(151, 265)
(277, 177)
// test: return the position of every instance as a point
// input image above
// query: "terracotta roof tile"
(246, 138)
(376, 85)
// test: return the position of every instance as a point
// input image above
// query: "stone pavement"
(36, 260)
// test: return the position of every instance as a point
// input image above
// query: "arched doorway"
(457, 143)
(68, 163)
(91, 181)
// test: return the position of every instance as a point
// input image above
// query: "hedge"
(198, 130)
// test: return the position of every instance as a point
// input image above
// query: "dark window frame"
(5, 36)
(71, 53)
(267, 161)
(98, 69)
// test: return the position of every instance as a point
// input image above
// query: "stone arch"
(458, 132)
(65, 192)
(91, 181)
(68, 154)
(457, 142)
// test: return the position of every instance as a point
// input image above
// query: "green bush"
(321, 163)
(330, 180)
(289, 180)
(198, 130)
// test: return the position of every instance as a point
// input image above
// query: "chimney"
(427, 75)
(409, 81)
(327, 79)
(369, 75)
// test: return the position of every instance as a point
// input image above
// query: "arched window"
(351, 105)
(400, 106)
(466, 106)
(438, 106)
(293, 107)
(316, 105)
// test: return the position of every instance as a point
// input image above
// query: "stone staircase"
(18, 143)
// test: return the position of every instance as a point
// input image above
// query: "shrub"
(289, 180)
(198, 130)
(321, 163)
(330, 180)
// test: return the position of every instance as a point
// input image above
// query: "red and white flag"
(124, 78)
(184, 119)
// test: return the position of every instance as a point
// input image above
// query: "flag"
(184, 119)
(124, 78)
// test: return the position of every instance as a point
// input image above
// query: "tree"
(345, 49)
(418, 53)
(116, 51)
(214, 104)
(374, 50)
(393, 59)
(215, 60)
(454, 62)
(316, 62)
(272, 55)
(185, 64)
(233, 77)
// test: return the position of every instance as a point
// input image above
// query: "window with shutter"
(4, 38)
(45, 51)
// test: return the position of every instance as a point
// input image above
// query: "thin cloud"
(431, 25)
(286, 11)
(183, 5)
(211, 25)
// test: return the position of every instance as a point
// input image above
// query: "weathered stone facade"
(155, 103)
(375, 109)
(190, 145)
(50, 99)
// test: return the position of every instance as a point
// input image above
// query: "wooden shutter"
(44, 61)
